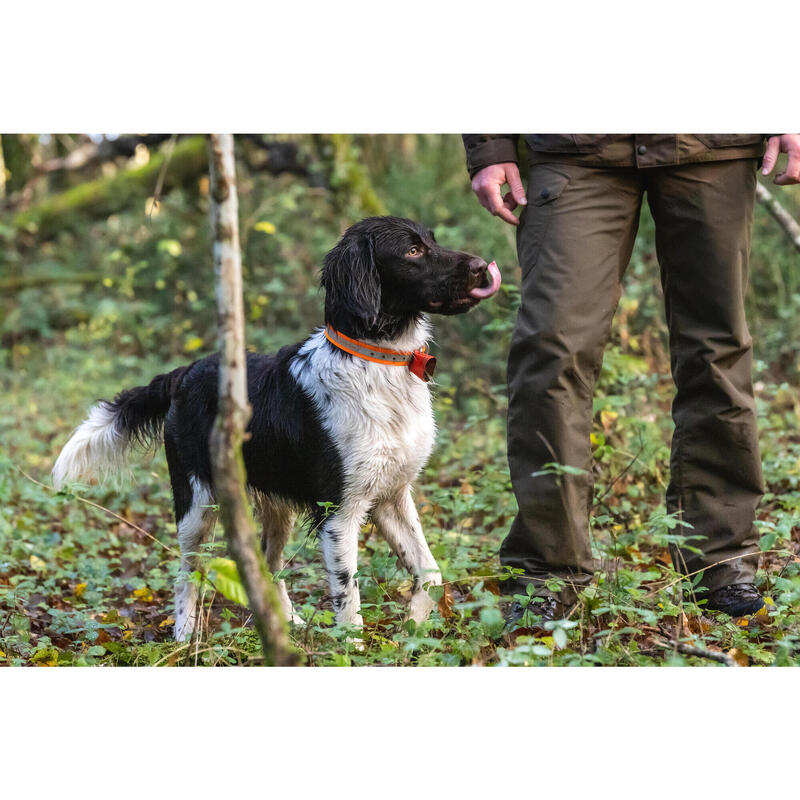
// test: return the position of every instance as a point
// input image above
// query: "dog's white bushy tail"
(96, 449)
(99, 447)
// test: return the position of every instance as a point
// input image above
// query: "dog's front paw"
(420, 607)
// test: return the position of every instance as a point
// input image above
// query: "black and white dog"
(342, 422)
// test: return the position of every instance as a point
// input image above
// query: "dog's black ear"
(351, 281)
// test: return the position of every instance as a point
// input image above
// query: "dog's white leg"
(277, 520)
(339, 537)
(398, 522)
(194, 527)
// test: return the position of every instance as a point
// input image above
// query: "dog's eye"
(414, 252)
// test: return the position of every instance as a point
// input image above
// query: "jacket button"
(544, 194)
(642, 149)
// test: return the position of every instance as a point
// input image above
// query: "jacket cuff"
(484, 149)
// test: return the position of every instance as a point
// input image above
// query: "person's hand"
(486, 185)
(788, 143)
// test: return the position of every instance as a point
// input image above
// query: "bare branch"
(699, 652)
(234, 409)
(789, 224)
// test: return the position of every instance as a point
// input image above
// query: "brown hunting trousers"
(574, 243)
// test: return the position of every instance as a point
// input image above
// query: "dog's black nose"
(477, 266)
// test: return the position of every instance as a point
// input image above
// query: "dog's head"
(385, 271)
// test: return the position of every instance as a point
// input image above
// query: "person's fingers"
(771, 155)
(491, 199)
(785, 180)
(497, 206)
(509, 202)
(486, 185)
(515, 184)
(507, 216)
(792, 172)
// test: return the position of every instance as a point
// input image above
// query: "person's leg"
(574, 243)
(703, 215)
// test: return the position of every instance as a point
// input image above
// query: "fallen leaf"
(166, 622)
(739, 657)
(38, 563)
(697, 625)
(144, 594)
(607, 420)
(446, 603)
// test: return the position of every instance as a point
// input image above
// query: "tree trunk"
(234, 409)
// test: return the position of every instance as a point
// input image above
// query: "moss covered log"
(19, 282)
(104, 196)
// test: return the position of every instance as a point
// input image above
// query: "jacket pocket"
(574, 143)
(545, 186)
(715, 140)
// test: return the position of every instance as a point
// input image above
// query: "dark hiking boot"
(532, 615)
(736, 600)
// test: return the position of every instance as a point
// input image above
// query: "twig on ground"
(699, 652)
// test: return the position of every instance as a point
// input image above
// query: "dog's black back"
(287, 451)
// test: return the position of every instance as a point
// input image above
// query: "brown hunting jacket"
(611, 149)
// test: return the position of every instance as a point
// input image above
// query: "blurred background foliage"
(88, 255)
(106, 279)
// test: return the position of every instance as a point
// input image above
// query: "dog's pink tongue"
(494, 284)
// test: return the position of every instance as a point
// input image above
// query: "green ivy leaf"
(227, 581)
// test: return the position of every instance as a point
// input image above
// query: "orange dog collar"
(419, 362)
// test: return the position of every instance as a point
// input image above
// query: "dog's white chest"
(379, 416)
(391, 435)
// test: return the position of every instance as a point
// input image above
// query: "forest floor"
(87, 578)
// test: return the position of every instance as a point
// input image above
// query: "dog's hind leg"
(195, 523)
(277, 519)
(398, 522)
(339, 539)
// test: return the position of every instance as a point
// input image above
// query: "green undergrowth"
(79, 586)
